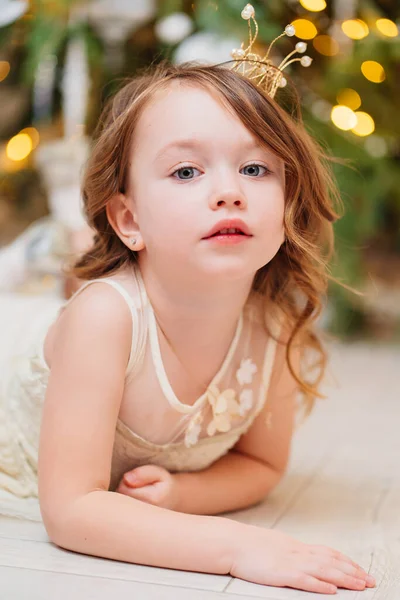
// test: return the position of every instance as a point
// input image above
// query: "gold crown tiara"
(260, 68)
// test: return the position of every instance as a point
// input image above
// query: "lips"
(238, 225)
(228, 232)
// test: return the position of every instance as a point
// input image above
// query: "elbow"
(280, 471)
(69, 533)
(61, 522)
(279, 475)
(66, 515)
(271, 480)
(55, 532)
(57, 538)
(279, 468)
(50, 513)
(55, 526)
(73, 523)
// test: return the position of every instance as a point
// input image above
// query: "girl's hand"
(150, 484)
(269, 557)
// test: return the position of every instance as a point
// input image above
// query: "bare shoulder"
(99, 310)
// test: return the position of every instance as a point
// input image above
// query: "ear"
(123, 221)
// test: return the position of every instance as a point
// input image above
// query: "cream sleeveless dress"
(154, 426)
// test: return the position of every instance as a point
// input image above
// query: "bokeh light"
(343, 117)
(19, 147)
(355, 29)
(33, 134)
(349, 98)
(305, 30)
(4, 69)
(313, 5)
(373, 71)
(387, 27)
(326, 45)
(365, 124)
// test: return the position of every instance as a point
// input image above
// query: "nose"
(228, 198)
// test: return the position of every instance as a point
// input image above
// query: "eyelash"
(267, 171)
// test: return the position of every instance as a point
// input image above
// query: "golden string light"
(356, 29)
(387, 27)
(305, 29)
(349, 97)
(33, 134)
(365, 124)
(373, 71)
(326, 45)
(313, 5)
(4, 69)
(343, 117)
(19, 147)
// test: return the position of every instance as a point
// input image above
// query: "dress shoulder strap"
(134, 314)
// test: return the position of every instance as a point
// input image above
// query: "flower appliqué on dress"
(245, 372)
(246, 401)
(193, 431)
(225, 405)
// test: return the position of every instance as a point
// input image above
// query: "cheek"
(273, 210)
(273, 233)
(164, 220)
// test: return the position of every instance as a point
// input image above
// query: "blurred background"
(60, 59)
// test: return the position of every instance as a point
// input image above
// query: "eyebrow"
(191, 143)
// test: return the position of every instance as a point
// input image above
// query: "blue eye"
(186, 172)
(255, 170)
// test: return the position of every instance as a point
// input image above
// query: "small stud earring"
(133, 241)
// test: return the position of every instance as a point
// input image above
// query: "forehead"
(185, 110)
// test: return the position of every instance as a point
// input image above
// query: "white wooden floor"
(342, 489)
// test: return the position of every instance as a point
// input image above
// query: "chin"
(228, 268)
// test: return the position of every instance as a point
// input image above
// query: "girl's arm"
(112, 525)
(234, 482)
(88, 363)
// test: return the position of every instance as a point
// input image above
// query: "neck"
(196, 308)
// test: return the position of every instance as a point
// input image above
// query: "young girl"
(170, 377)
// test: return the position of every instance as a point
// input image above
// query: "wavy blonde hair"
(296, 279)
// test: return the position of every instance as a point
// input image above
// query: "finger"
(144, 475)
(125, 489)
(327, 551)
(356, 571)
(335, 576)
(308, 583)
(131, 480)
(359, 572)
(145, 494)
(350, 569)
(343, 565)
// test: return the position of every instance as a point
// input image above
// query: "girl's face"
(194, 164)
